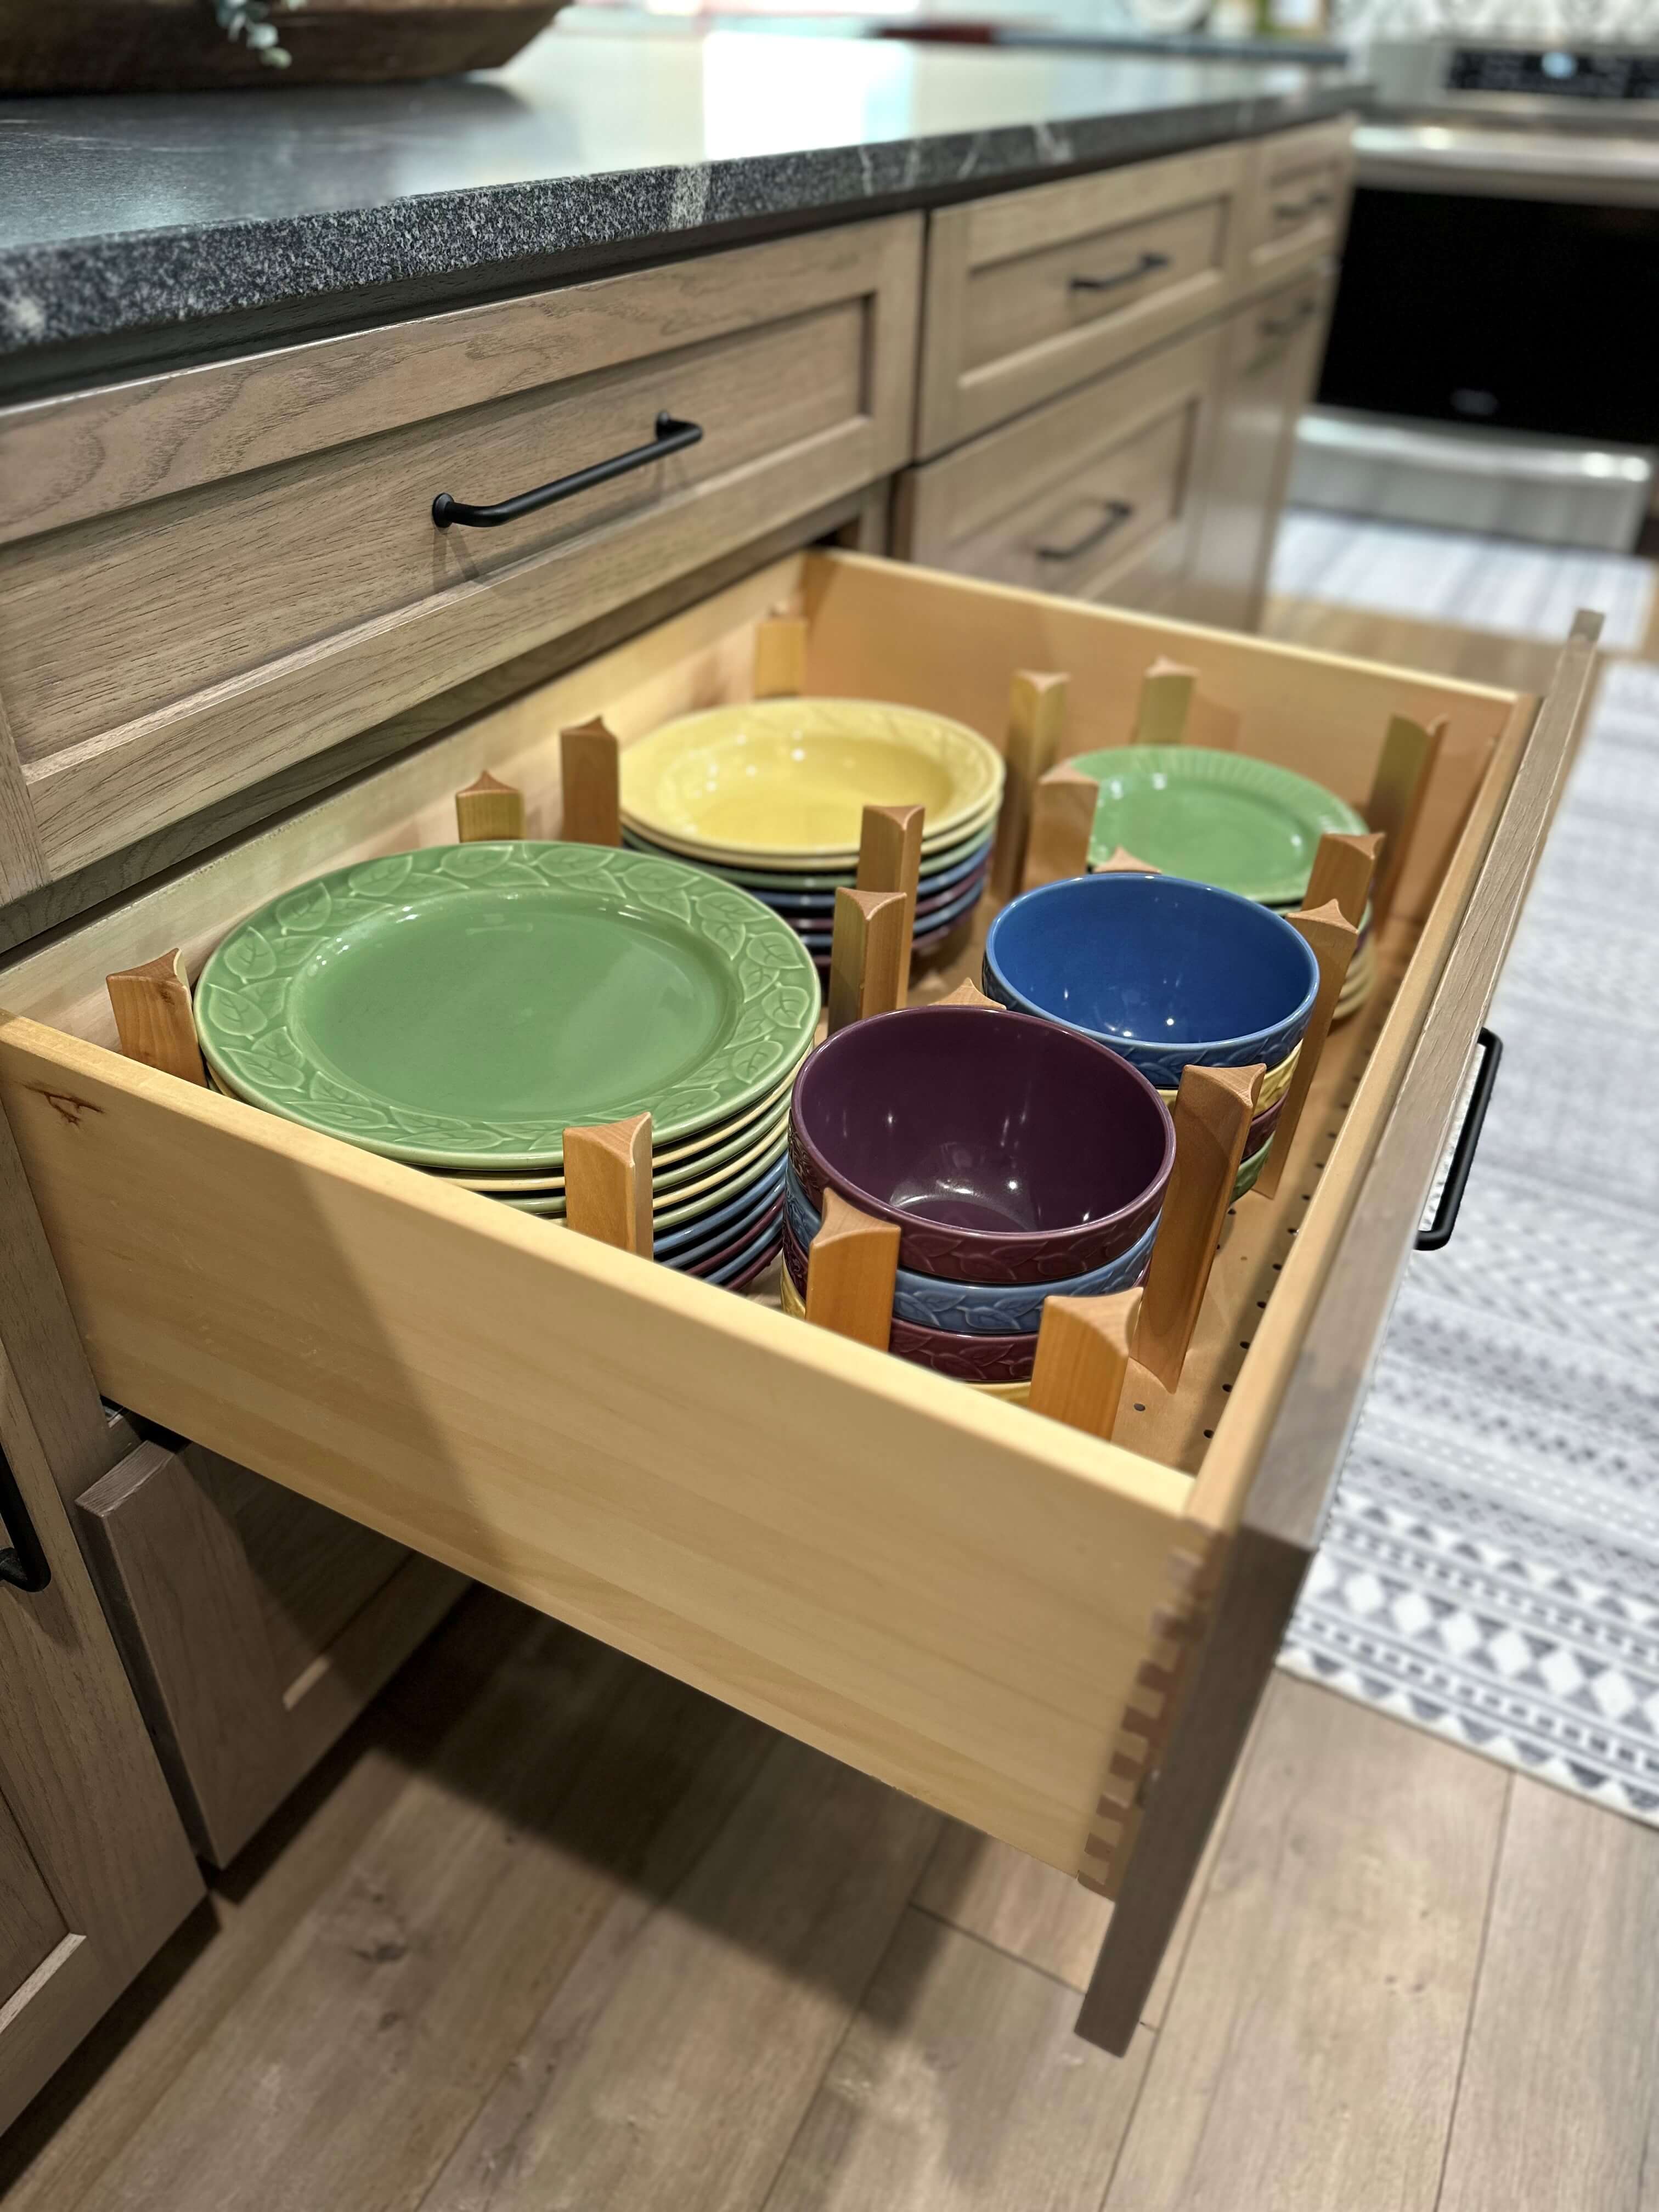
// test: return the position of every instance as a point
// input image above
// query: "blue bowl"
(979, 1308)
(1166, 971)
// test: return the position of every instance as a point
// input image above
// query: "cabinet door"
(1273, 353)
(95, 1871)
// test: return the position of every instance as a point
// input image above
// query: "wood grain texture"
(1295, 198)
(781, 657)
(155, 1018)
(1331, 938)
(186, 1612)
(850, 1273)
(1165, 702)
(324, 1701)
(488, 809)
(1397, 794)
(1343, 869)
(1003, 326)
(889, 855)
(752, 1976)
(31, 1926)
(607, 1171)
(1083, 1359)
(1310, 2056)
(1037, 728)
(869, 957)
(1213, 1112)
(23, 863)
(959, 2086)
(80, 1783)
(1558, 2085)
(590, 779)
(1062, 822)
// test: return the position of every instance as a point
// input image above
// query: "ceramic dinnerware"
(795, 1304)
(1004, 1155)
(965, 1359)
(1166, 971)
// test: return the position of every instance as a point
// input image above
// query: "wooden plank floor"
(549, 1933)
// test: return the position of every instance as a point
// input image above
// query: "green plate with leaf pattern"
(463, 1005)
(1222, 818)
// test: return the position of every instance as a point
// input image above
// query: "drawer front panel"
(1080, 494)
(1033, 292)
(1298, 198)
(270, 590)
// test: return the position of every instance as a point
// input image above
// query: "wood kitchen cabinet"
(1269, 360)
(96, 1870)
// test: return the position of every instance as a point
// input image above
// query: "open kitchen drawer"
(1057, 1639)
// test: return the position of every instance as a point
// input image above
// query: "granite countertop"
(143, 226)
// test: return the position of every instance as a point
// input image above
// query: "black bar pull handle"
(672, 436)
(1142, 266)
(1118, 512)
(22, 1562)
(1438, 1234)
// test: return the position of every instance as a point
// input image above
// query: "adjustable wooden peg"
(1212, 1113)
(1166, 699)
(1395, 805)
(1082, 1358)
(850, 1272)
(869, 957)
(889, 858)
(590, 771)
(1343, 869)
(1036, 724)
(781, 657)
(1062, 822)
(607, 1183)
(1122, 862)
(968, 995)
(1332, 938)
(153, 1016)
(487, 810)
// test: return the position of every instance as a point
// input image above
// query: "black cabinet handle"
(1438, 1234)
(672, 436)
(1118, 512)
(1281, 326)
(1143, 265)
(22, 1563)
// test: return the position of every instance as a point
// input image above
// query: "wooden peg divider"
(1062, 821)
(970, 994)
(1082, 1358)
(1037, 723)
(851, 1269)
(590, 768)
(1332, 938)
(607, 1183)
(890, 859)
(1212, 1113)
(869, 957)
(487, 810)
(1166, 699)
(1343, 869)
(1395, 805)
(154, 1018)
(781, 657)
(1123, 862)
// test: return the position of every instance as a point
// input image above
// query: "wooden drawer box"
(1081, 495)
(212, 575)
(1033, 291)
(1297, 199)
(980, 1606)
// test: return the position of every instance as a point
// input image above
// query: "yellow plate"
(790, 1299)
(791, 777)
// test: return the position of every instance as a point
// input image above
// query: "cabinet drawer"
(1032, 292)
(1080, 494)
(978, 1605)
(209, 575)
(1298, 195)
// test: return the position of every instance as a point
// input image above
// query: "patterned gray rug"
(1492, 1567)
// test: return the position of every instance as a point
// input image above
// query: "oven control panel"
(1600, 73)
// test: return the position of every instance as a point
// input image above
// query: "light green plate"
(1217, 817)
(463, 1005)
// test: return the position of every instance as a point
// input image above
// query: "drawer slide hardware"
(23, 1565)
(672, 436)
(1143, 265)
(1438, 1234)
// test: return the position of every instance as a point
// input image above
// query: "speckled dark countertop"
(140, 226)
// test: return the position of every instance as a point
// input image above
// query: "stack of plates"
(770, 797)
(1170, 973)
(1226, 819)
(1019, 1163)
(460, 1008)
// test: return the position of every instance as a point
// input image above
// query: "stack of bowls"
(1171, 973)
(770, 797)
(1018, 1161)
(1228, 820)
(459, 1007)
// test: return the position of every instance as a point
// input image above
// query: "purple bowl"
(963, 1358)
(1008, 1150)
